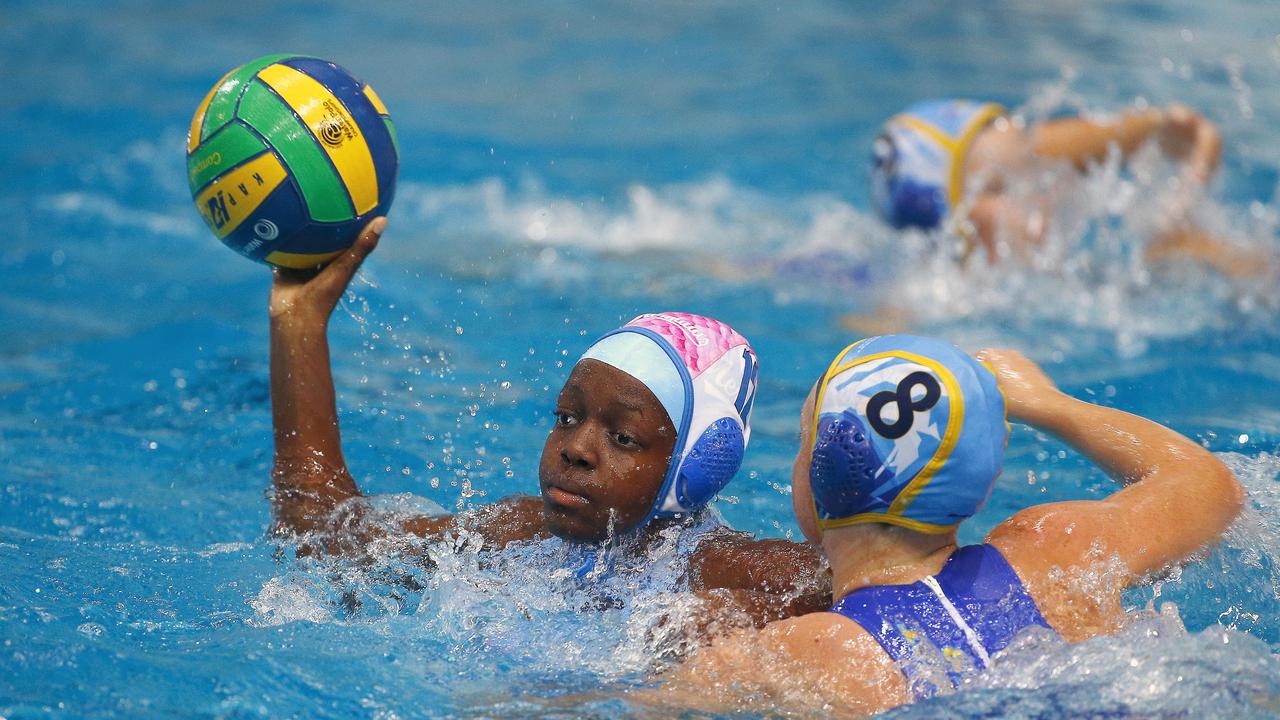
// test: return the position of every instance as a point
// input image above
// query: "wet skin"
(605, 458)
(603, 462)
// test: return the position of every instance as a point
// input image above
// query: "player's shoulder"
(522, 502)
(838, 655)
(512, 519)
(822, 636)
(1040, 538)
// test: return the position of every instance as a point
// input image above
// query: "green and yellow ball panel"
(288, 157)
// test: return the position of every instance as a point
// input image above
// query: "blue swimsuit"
(966, 613)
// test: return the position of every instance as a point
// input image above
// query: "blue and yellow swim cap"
(917, 163)
(908, 431)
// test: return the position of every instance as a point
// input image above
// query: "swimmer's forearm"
(310, 476)
(1127, 446)
(1177, 499)
(1084, 141)
(725, 609)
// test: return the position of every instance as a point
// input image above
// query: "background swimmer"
(651, 423)
(953, 164)
(902, 439)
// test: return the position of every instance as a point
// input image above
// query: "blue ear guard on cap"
(721, 399)
(711, 463)
(843, 450)
(902, 200)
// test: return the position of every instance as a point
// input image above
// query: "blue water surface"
(566, 166)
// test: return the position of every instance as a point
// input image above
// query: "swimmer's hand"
(1029, 394)
(1187, 136)
(308, 297)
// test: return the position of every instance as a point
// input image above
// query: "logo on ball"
(331, 133)
(266, 230)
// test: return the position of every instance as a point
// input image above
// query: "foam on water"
(1153, 668)
(516, 613)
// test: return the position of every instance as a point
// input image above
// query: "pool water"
(565, 167)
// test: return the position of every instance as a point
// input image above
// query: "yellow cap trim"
(301, 260)
(333, 127)
(955, 421)
(960, 148)
(899, 520)
(233, 196)
(927, 128)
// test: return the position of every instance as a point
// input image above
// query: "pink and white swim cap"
(705, 375)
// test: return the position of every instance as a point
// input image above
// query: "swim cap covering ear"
(908, 431)
(705, 375)
(917, 161)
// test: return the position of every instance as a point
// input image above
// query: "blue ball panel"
(350, 92)
(317, 238)
(280, 216)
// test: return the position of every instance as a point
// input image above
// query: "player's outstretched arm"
(1177, 498)
(761, 580)
(310, 477)
(1184, 135)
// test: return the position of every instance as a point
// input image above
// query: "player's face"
(605, 459)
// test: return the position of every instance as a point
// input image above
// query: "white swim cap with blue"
(908, 431)
(705, 375)
(917, 171)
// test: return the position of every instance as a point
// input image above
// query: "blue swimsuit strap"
(969, 611)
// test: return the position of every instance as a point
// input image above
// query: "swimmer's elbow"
(295, 512)
(1218, 494)
(1229, 492)
(305, 495)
